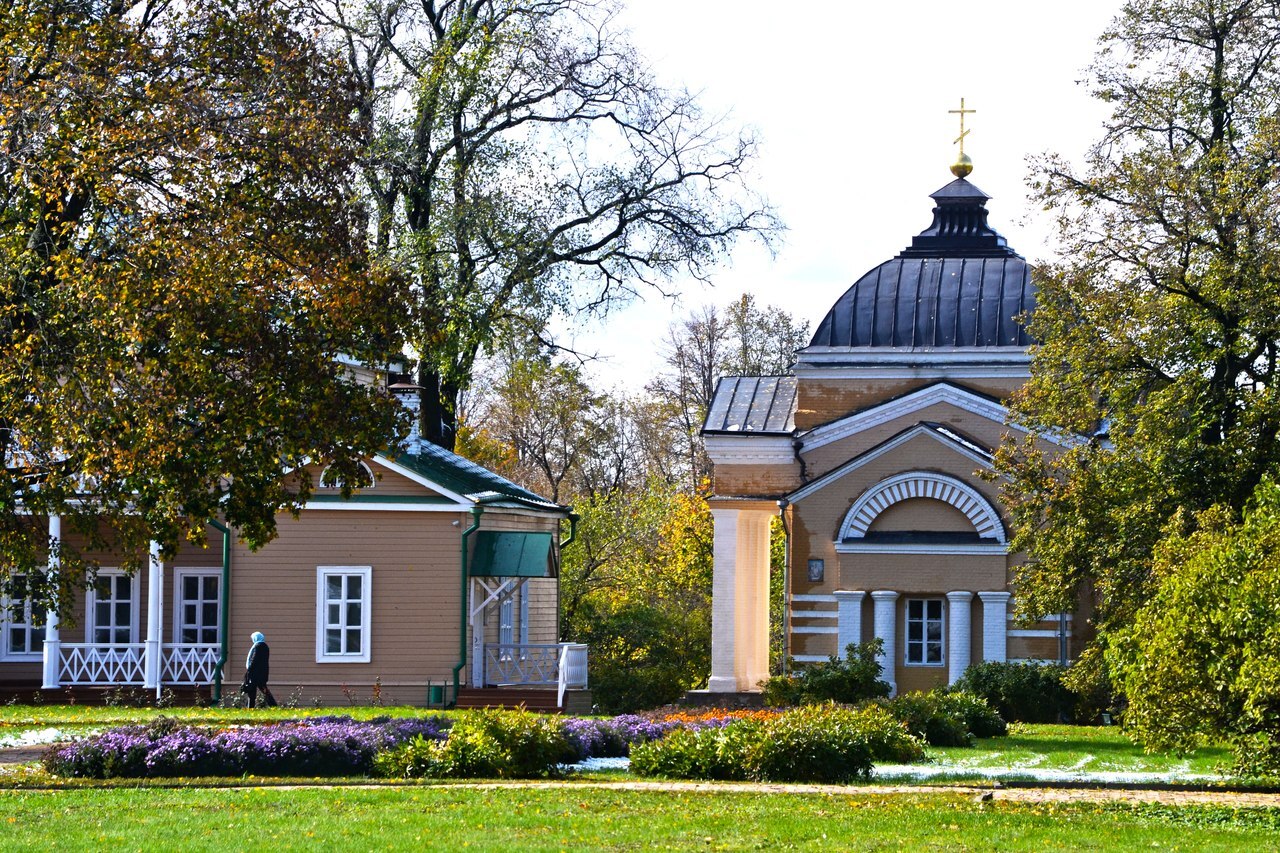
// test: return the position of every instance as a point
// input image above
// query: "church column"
(886, 629)
(155, 597)
(52, 640)
(995, 625)
(739, 599)
(848, 618)
(958, 634)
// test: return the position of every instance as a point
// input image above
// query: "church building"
(872, 451)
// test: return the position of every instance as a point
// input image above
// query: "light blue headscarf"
(257, 637)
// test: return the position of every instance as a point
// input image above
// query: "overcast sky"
(850, 101)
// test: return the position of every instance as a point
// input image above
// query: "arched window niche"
(329, 478)
(927, 485)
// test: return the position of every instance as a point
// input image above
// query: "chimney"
(410, 396)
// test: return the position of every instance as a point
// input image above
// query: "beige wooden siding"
(415, 601)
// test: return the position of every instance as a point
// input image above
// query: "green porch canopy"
(507, 554)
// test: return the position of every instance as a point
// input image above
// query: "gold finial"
(963, 165)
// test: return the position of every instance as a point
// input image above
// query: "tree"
(1201, 661)
(1160, 332)
(178, 270)
(741, 339)
(520, 162)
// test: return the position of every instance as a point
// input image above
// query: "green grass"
(1083, 748)
(581, 818)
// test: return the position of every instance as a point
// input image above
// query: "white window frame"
(366, 610)
(179, 575)
(371, 480)
(924, 640)
(91, 607)
(27, 624)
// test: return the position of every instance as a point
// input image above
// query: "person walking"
(256, 670)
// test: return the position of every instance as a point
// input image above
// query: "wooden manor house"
(435, 584)
(871, 451)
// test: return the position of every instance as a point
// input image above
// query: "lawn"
(454, 817)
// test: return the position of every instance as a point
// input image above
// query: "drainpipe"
(225, 616)
(786, 587)
(476, 512)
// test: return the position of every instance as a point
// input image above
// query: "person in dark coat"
(256, 670)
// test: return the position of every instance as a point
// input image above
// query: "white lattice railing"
(515, 663)
(561, 664)
(188, 663)
(91, 663)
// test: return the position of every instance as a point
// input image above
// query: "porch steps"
(538, 699)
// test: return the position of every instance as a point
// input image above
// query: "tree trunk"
(439, 408)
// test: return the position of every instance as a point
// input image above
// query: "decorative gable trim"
(943, 392)
(747, 449)
(964, 449)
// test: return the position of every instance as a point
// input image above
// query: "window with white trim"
(329, 478)
(924, 632)
(112, 609)
(197, 600)
(343, 604)
(23, 637)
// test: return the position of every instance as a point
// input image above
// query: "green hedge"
(1021, 692)
(819, 743)
(946, 718)
(482, 744)
(853, 679)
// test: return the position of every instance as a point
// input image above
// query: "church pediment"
(905, 407)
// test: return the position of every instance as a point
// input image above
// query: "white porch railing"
(91, 663)
(561, 664)
(188, 663)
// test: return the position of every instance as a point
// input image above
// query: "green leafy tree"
(1162, 329)
(522, 162)
(1201, 661)
(178, 269)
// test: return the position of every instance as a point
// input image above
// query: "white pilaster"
(995, 626)
(958, 633)
(848, 618)
(886, 628)
(155, 609)
(739, 599)
(52, 640)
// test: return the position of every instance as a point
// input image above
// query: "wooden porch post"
(155, 598)
(52, 641)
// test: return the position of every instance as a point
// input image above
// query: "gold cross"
(963, 133)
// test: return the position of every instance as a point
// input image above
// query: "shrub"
(926, 717)
(1020, 692)
(854, 679)
(820, 743)
(979, 718)
(888, 739)
(813, 744)
(484, 744)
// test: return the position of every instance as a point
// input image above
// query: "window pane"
(17, 640)
(913, 609)
(210, 587)
(191, 587)
(189, 636)
(353, 586)
(353, 614)
(353, 641)
(935, 631)
(935, 609)
(122, 613)
(209, 613)
(333, 587)
(332, 642)
(189, 614)
(915, 631)
(935, 653)
(37, 638)
(102, 612)
(209, 634)
(124, 586)
(335, 615)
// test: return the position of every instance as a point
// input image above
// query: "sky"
(850, 101)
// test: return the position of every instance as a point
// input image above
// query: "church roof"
(957, 286)
(752, 404)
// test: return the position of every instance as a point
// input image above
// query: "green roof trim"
(464, 477)
(506, 554)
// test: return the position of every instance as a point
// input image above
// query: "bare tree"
(521, 161)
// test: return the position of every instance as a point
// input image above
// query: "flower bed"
(336, 746)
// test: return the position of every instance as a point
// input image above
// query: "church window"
(924, 631)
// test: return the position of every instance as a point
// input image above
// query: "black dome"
(957, 285)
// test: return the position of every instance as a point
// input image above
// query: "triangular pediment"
(969, 402)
